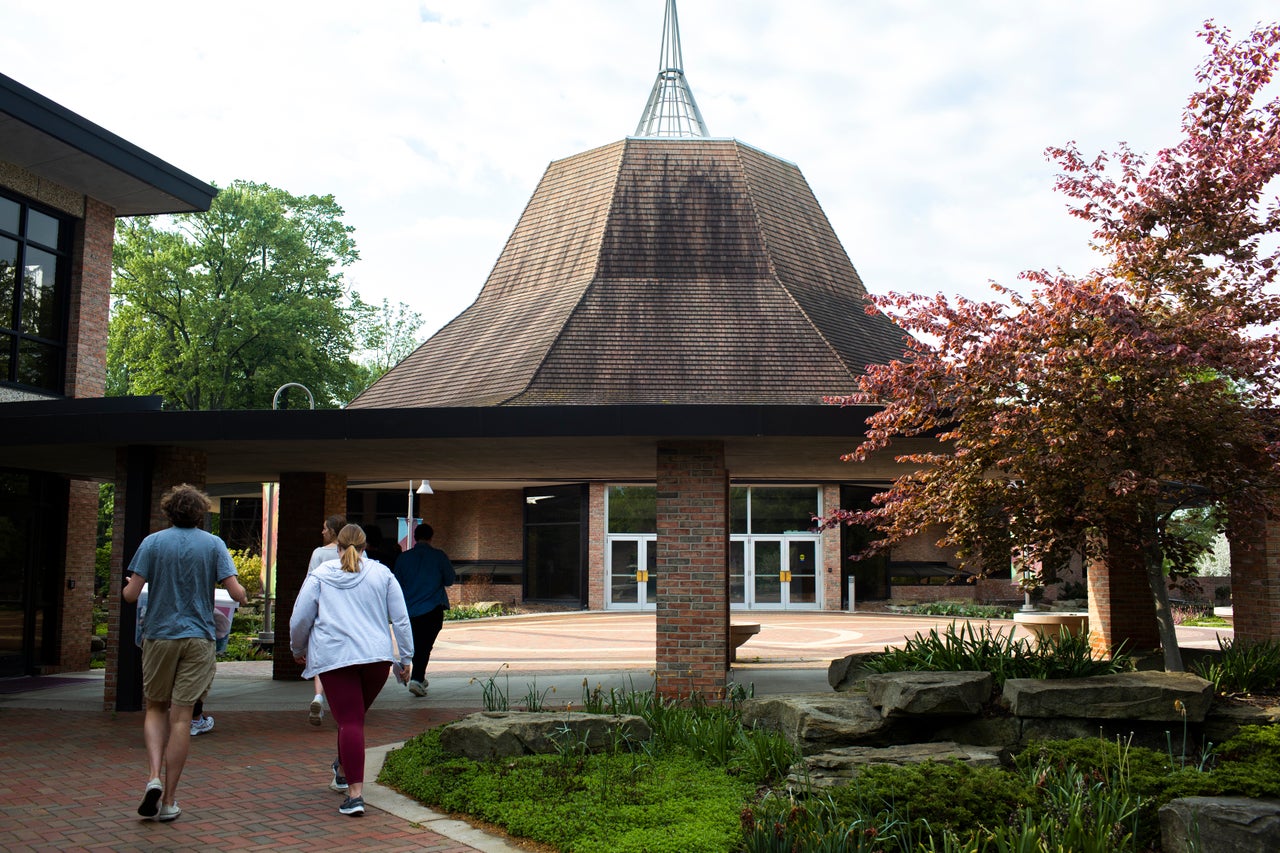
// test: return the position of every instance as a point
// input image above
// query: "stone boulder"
(840, 766)
(920, 694)
(848, 672)
(1127, 695)
(498, 734)
(814, 722)
(1221, 825)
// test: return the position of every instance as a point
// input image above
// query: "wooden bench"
(739, 633)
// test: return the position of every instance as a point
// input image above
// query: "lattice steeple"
(671, 112)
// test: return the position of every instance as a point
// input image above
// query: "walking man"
(423, 572)
(180, 567)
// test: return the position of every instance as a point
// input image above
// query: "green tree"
(390, 333)
(217, 310)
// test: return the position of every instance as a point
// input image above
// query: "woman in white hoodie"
(338, 631)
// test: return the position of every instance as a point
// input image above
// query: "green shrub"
(981, 649)
(249, 568)
(458, 612)
(1243, 666)
(934, 794)
(963, 609)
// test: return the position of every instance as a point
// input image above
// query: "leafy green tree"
(217, 310)
(389, 335)
(1094, 408)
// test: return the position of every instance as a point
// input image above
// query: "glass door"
(631, 573)
(801, 586)
(773, 573)
(767, 573)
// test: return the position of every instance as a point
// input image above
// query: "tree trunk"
(1153, 562)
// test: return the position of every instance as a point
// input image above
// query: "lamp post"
(423, 489)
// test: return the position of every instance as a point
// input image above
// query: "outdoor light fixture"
(425, 488)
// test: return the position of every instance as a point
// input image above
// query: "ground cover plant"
(683, 791)
(706, 783)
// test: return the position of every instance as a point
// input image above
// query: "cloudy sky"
(920, 124)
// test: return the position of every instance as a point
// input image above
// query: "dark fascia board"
(58, 122)
(141, 422)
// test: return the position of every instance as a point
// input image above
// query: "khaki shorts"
(177, 671)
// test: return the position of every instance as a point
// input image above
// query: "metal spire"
(671, 111)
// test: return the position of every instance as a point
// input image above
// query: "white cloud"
(920, 124)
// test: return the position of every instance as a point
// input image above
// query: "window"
(34, 272)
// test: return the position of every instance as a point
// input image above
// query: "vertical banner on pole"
(404, 529)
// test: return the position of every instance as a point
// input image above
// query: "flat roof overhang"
(80, 438)
(48, 140)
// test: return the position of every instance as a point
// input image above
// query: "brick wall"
(693, 596)
(306, 500)
(481, 524)
(1255, 581)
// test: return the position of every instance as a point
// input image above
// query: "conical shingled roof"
(657, 271)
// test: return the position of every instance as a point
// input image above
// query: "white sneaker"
(204, 725)
(316, 712)
(418, 688)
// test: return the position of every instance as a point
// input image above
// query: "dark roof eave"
(162, 188)
(133, 421)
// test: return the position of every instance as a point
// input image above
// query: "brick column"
(597, 533)
(306, 500)
(1121, 607)
(143, 475)
(829, 542)
(78, 577)
(90, 301)
(1255, 581)
(693, 577)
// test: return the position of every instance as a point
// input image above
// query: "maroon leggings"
(350, 691)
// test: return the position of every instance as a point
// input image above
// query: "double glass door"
(767, 573)
(632, 573)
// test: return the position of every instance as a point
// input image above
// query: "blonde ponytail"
(351, 542)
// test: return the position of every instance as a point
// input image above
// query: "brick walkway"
(258, 781)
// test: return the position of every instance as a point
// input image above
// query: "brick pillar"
(306, 500)
(597, 533)
(76, 618)
(829, 542)
(1255, 580)
(693, 576)
(143, 475)
(1121, 606)
(90, 301)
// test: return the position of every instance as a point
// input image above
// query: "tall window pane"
(9, 212)
(38, 364)
(783, 509)
(633, 509)
(42, 229)
(8, 280)
(40, 305)
(737, 509)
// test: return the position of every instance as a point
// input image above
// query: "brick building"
(63, 183)
(629, 416)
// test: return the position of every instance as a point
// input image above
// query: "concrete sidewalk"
(258, 780)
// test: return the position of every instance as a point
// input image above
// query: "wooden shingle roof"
(656, 271)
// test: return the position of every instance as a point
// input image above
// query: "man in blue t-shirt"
(180, 567)
(424, 571)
